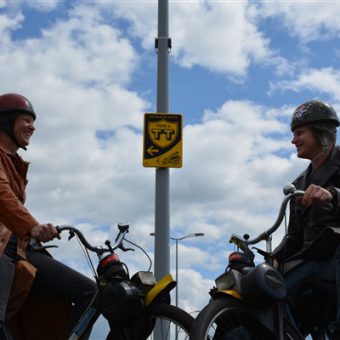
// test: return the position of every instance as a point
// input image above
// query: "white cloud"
(39, 5)
(325, 81)
(193, 291)
(75, 76)
(83, 49)
(7, 24)
(221, 36)
(42, 6)
(309, 20)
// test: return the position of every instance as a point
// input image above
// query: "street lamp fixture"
(177, 240)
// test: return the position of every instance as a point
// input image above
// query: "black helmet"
(11, 106)
(313, 111)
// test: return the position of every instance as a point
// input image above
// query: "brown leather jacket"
(31, 318)
(14, 217)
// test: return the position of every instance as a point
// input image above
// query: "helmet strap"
(7, 126)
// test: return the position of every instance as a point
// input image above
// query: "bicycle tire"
(173, 316)
(226, 318)
(177, 326)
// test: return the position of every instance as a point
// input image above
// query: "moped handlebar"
(243, 242)
(123, 230)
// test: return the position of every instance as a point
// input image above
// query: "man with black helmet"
(23, 270)
(304, 253)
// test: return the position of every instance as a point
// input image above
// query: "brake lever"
(262, 252)
(108, 244)
(39, 247)
(269, 257)
(125, 249)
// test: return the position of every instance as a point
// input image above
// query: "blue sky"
(237, 71)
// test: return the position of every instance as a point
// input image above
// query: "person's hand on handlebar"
(44, 232)
(315, 194)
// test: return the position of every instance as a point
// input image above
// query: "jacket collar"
(15, 156)
(321, 175)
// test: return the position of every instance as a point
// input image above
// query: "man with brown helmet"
(23, 270)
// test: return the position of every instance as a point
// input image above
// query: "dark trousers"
(322, 270)
(7, 269)
(325, 270)
(52, 279)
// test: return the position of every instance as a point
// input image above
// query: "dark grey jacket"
(305, 224)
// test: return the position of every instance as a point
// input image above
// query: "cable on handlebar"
(243, 243)
(123, 230)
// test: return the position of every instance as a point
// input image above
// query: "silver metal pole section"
(177, 272)
(162, 216)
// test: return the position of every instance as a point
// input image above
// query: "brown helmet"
(11, 106)
(12, 102)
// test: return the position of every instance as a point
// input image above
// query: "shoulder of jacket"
(335, 157)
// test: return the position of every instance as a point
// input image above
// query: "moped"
(250, 300)
(137, 307)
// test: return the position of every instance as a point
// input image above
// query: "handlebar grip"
(238, 241)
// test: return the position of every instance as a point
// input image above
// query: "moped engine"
(262, 285)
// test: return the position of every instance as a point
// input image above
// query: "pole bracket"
(163, 38)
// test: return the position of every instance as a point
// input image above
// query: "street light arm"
(186, 236)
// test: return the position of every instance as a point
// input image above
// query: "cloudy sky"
(237, 71)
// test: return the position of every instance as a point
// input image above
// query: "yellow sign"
(162, 140)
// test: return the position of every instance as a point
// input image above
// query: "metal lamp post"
(177, 240)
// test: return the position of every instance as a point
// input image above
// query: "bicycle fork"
(83, 327)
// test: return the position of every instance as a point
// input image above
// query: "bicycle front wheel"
(226, 319)
(168, 323)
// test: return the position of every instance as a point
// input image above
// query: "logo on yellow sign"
(163, 133)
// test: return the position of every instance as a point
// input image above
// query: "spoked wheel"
(170, 323)
(226, 319)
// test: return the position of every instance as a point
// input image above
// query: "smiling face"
(307, 146)
(23, 129)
